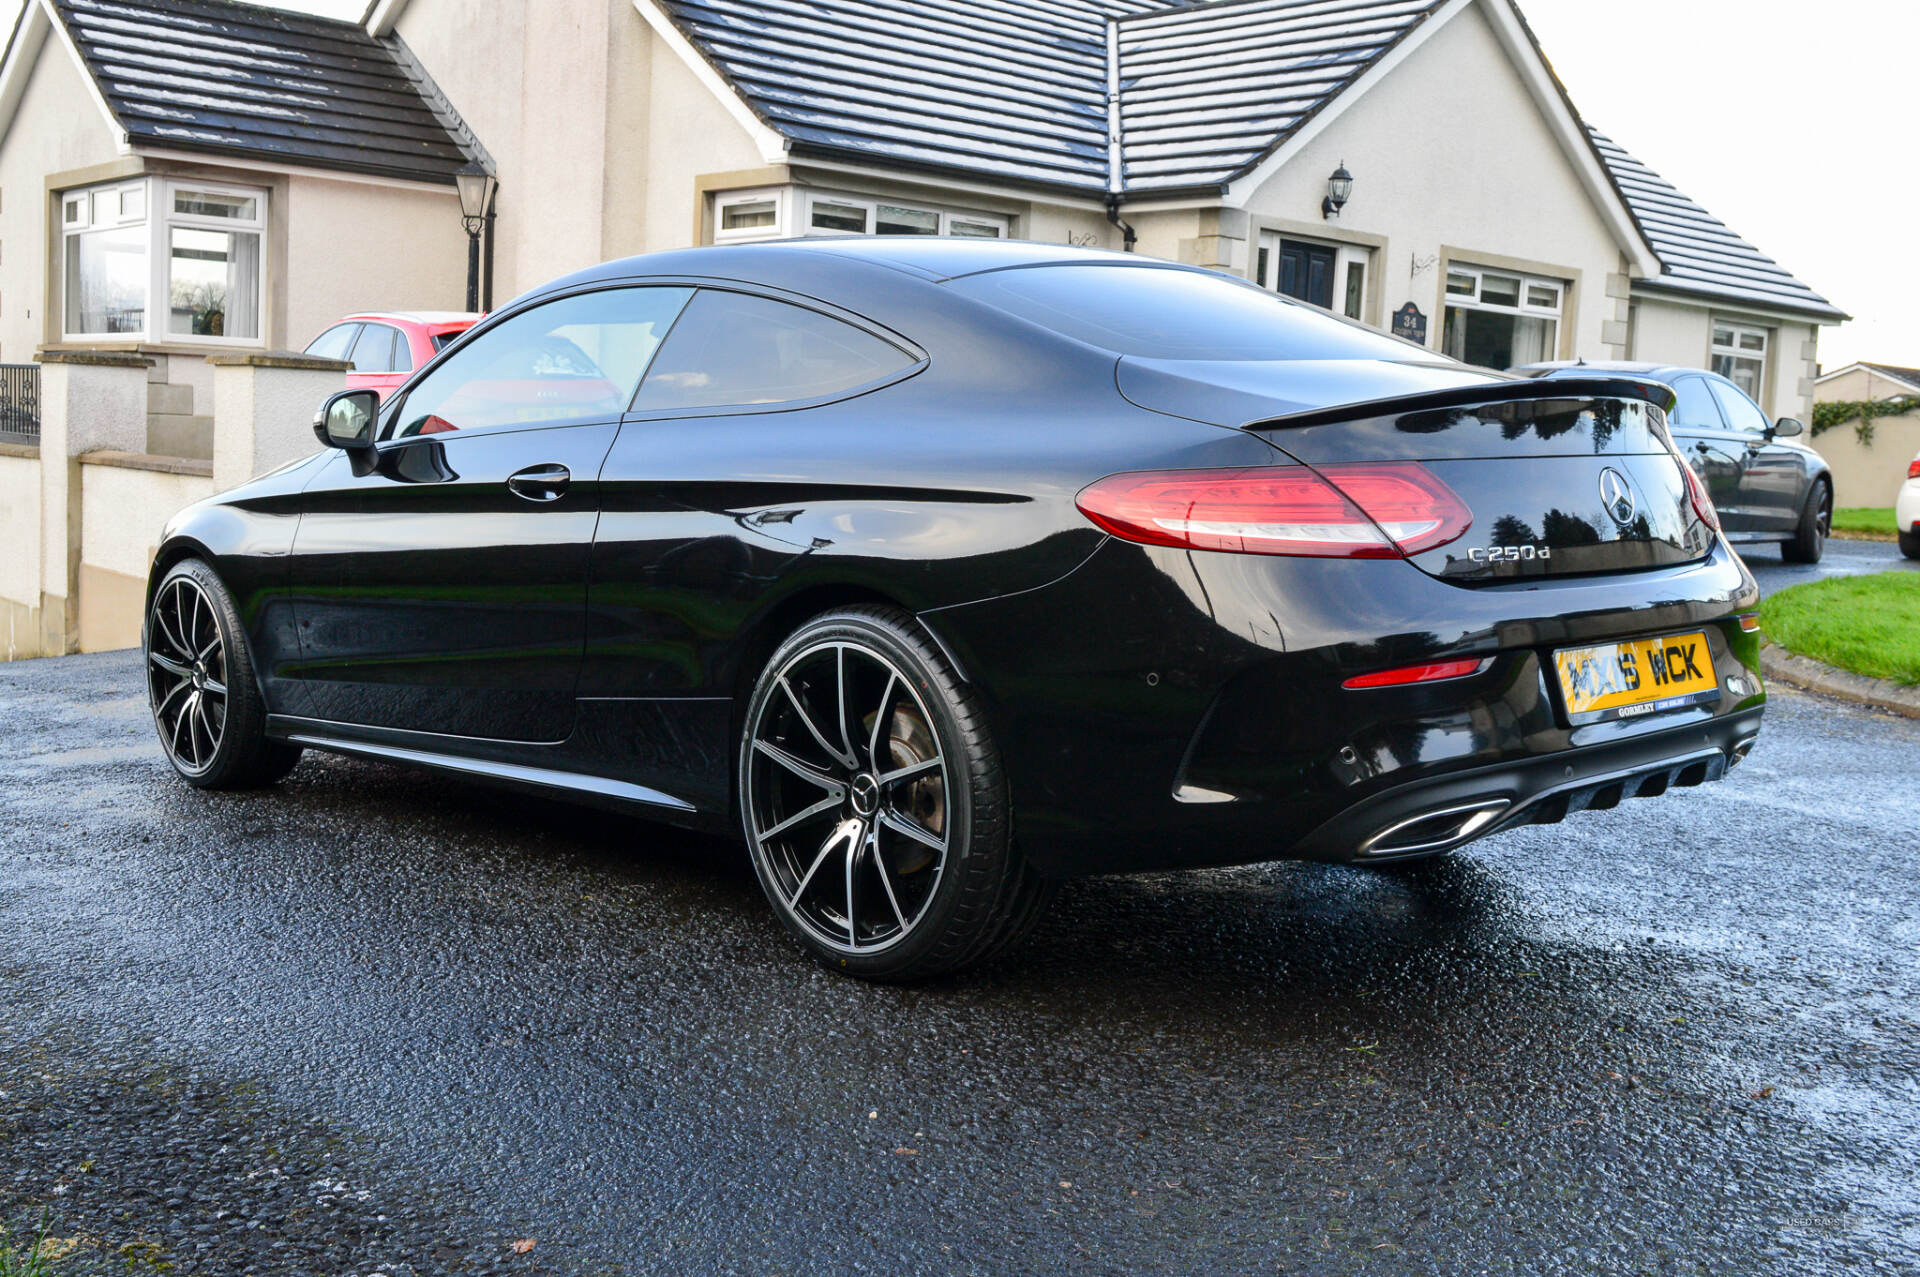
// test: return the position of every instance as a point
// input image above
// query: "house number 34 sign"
(1409, 323)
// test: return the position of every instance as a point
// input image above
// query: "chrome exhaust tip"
(1435, 830)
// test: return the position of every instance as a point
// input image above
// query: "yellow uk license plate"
(1637, 676)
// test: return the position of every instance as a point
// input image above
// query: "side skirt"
(410, 748)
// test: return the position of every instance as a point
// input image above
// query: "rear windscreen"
(1176, 314)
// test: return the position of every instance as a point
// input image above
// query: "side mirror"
(346, 420)
(1787, 428)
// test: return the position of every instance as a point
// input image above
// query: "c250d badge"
(1509, 553)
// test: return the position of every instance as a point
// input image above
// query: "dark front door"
(444, 588)
(1306, 272)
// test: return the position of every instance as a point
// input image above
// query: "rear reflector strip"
(1432, 672)
(1375, 510)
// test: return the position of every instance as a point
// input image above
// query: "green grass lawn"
(1874, 522)
(1867, 624)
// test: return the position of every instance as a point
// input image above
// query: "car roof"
(425, 318)
(925, 257)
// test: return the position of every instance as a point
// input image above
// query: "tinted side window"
(333, 343)
(1742, 412)
(1696, 407)
(576, 358)
(732, 349)
(374, 351)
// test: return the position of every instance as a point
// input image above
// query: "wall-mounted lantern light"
(476, 187)
(1339, 186)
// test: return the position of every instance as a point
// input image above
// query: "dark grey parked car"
(1764, 487)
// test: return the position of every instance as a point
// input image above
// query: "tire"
(890, 858)
(201, 687)
(1816, 521)
(1910, 544)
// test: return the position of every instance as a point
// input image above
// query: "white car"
(1906, 511)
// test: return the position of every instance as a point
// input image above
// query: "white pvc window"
(198, 248)
(743, 216)
(1740, 355)
(839, 214)
(1501, 319)
(775, 212)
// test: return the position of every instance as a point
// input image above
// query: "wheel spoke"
(913, 829)
(188, 618)
(908, 772)
(206, 724)
(166, 627)
(840, 831)
(826, 804)
(853, 938)
(170, 665)
(215, 686)
(845, 760)
(880, 720)
(213, 645)
(179, 721)
(161, 709)
(840, 702)
(886, 881)
(804, 770)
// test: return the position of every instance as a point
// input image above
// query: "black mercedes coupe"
(942, 570)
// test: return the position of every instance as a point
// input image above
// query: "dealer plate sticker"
(1638, 676)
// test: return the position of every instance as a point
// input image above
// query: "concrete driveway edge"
(1817, 676)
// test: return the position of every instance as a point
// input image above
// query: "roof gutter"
(1116, 156)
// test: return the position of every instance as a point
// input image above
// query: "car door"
(1717, 453)
(1771, 473)
(696, 517)
(441, 586)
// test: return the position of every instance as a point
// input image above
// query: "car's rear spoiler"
(1598, 386)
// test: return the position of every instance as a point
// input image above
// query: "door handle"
(539, 483)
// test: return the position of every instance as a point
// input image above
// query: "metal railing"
(19, 403)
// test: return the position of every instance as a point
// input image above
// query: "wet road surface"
(379, 1021)
(1842, 558)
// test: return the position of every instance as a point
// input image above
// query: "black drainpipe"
(1113, 215)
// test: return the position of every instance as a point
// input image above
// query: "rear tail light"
(1913, 468)
(1376, 510)
(1432, 672)
(1697, 493)
(1749, 622)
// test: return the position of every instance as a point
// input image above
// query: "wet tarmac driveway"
(380, 1021)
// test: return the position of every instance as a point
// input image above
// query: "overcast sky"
(1778, 115)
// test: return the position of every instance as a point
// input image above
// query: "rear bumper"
(1162, 710)
(1424, 817)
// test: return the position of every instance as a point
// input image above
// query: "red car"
(386, 346)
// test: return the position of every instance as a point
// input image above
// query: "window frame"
(1520, 308)
(871, 203)
(158, 218)
(782, 206)
(917, 354)
(1734, 351)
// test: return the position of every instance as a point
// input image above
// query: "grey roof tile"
(1698, 253)
(209, 75)
(1208, 90)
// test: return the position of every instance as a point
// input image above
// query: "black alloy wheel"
(874, 806)
(200, 685)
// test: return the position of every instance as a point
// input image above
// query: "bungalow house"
(181, 177)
